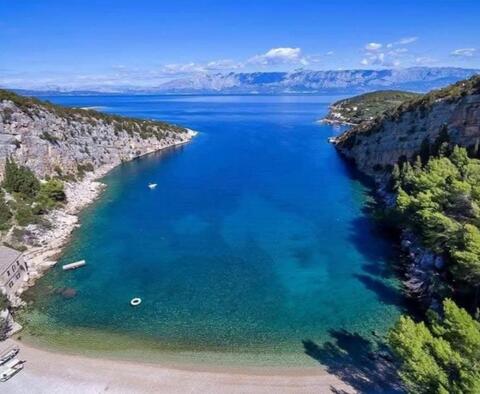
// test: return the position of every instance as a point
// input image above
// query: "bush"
(5, 213)
(49, 137)
(25, 215)
(4, 303)
(50, 195)
(20, 179)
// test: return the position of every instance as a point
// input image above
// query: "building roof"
(7, 257)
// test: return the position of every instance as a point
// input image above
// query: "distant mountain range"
(419, 79)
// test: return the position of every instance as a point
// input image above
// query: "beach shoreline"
(53, 372)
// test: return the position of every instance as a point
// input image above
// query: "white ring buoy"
(135, 301)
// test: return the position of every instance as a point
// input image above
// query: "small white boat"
(8, 355)
(10, 368)
(135, 301)
(152, 185)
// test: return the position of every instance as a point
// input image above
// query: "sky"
(89, 43)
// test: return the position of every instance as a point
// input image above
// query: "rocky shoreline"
(423, 268)
(50, 242)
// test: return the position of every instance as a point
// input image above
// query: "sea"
(257, 247)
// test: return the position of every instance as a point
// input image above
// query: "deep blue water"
(254, 240)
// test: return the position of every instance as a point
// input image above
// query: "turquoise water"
(254, 240)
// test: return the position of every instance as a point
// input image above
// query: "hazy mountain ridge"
(301, 81)
(418, 78)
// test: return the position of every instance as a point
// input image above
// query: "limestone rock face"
(50, 143)
(402, 135)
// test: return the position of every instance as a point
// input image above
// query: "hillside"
(416, 127)
(50, 157)
(365, 107)
(57, 141)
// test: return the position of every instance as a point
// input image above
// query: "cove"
(254, 242)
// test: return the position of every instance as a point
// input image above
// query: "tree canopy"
(441, 202)
(442, 356)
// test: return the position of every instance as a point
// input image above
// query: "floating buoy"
(135, 301)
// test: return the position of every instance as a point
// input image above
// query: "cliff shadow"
(365, 365)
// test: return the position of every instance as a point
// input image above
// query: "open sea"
(254, 247)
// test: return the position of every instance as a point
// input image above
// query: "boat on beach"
(8, 355)
(11, 368)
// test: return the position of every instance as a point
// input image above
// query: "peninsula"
(357, 109)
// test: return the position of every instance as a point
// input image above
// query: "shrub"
(5, 213)
(20, 179)
(25, 215)
(50, 195)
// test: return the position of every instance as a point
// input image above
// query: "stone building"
(13, 270)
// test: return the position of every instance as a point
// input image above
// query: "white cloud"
(425, 60)
(223, 64)
(276, 56)
(373, 46)
(406, 40)
(464, 52)
(182, 68)
(392, 54)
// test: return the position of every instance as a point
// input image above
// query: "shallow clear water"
(253, 241)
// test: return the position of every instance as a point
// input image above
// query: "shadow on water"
(363, 364)
(385, 293)
(380, 268)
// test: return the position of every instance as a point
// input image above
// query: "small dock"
(73, 266)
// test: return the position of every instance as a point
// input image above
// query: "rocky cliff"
(57, 141)
(449, 115)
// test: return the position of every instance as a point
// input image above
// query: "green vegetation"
(369, 105)
(4, 303)
(440, 201)
(32, 198)
(442, 356)
(50, 195)
(5, 213)
(20, 179)
(4, 326)
(438, 197)
(32, 107)
(48, 137)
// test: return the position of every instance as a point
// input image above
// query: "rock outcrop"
(57, 141)
(452, 114)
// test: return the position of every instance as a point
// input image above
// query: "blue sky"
(116, 42)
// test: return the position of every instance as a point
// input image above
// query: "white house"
(13, 270)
